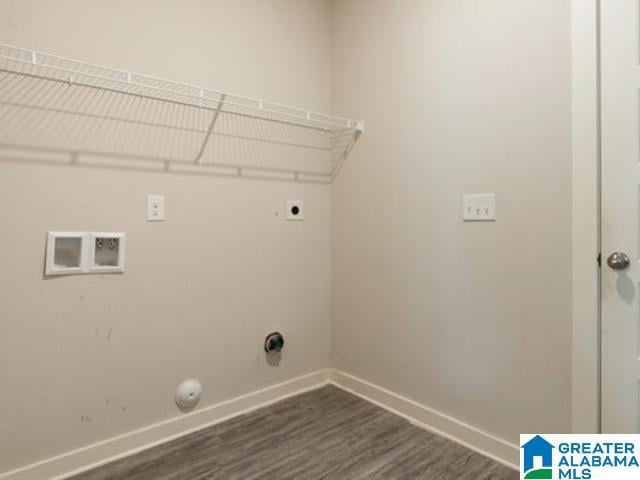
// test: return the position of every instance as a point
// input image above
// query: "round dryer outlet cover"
(188, 394)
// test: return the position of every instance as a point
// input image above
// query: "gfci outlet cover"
(188, 394)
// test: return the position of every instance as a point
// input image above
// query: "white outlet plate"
(295, 210)
(479, 207)
(155, 208)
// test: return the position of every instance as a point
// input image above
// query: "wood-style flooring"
(323, 434)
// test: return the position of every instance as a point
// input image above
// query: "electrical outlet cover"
(295, 210)
(155, 208)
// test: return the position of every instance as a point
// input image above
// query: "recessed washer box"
(106, 252)
(77, 253)
(67, 253)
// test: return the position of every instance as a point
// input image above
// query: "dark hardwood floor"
(323, 434)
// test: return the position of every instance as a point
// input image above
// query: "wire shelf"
(57, 104)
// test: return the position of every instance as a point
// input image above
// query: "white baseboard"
(94, 455)
(420, 415)
(106, 451)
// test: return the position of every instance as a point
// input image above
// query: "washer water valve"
(274, 342)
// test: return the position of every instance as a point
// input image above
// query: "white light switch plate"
(479, 207)
(155, 208)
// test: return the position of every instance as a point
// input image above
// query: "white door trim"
(586, 216)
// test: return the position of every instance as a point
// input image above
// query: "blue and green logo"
(537, 462)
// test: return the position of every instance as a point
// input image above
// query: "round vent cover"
(188, 394)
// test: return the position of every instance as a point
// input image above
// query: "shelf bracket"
(198, 159)
(346, 152)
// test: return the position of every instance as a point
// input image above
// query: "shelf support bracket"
(216, 114)
(345, 153)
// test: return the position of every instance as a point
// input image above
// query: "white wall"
(469, 319)
(86, 358)
(472, 96)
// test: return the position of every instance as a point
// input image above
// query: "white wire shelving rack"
(54, 104)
